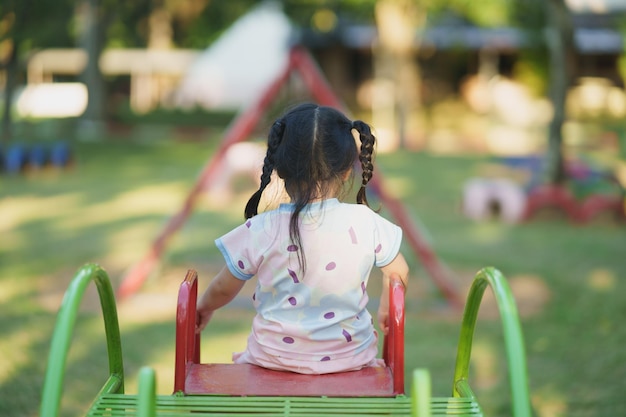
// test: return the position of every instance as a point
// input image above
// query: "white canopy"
(239, 66)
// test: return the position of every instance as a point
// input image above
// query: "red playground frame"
(240, 129)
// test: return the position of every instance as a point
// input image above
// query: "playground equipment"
(581, 174)
(241, 390)
(193, 377)
(520, 202)
(240, 129)
(35, 156)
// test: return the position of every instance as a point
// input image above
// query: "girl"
(312, 257)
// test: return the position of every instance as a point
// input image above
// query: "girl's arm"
(396, 267)
(222, 289)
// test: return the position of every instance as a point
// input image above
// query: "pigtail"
(365, 157)
(273, 141)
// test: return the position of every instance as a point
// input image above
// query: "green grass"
(569, 279)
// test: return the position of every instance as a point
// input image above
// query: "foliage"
(124, 23)
(488, 13)
(198, 24)
(201, 30)
(302, 11)
(34, 24)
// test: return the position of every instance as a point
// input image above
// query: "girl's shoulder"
(267, 218)
(357, 210)
(364, 214)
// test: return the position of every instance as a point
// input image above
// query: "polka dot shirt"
(314, 321)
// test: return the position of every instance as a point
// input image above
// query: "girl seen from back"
(312, 257)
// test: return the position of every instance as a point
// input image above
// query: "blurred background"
(500, 128)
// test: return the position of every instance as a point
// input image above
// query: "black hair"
(312, 148)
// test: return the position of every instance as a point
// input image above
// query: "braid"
(273, 141)
(365, 157)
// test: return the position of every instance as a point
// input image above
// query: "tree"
(24, 26)
(560, 42)
(397, 87)
(89, 19)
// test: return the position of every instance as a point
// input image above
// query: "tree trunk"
(397, 81)
(160, 28)
(91, 41)
(14, 38)
(560, 41)
(12, 67)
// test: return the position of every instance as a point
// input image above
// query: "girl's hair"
(312, 148)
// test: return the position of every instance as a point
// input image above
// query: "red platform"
(192, 377)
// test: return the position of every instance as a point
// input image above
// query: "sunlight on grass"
(549, 402)
(128, 245)
(601, 280)
(231, 207)
(162, 362)
(17, 346)
(159, 199)
(219, 349)
(399, 187)
(16, 211)
(531, 294)
(10, 290)
(12, 240)
(484, 365)
(487, 232)
(163, 365)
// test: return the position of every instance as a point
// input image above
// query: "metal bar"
(514, 342)
(62, 336)
(147, 393)
(186, 339)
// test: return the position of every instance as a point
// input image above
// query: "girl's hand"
(383, 320)
(222, 289)
(202, 319)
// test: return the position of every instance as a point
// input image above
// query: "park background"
(452, 89)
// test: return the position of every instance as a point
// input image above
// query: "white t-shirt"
(316, 321)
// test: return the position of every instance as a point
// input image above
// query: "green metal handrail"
(62, 336)
(514, 343)
(146, 397)
(421, 393)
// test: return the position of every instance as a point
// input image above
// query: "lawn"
(568, 279)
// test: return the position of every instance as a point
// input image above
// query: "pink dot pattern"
(346, 335)
(353, 238)
(293, 276)
(329, 267)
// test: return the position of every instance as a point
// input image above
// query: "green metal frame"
(62, 336)
(146, 396)
(514, 342)
(112, 401)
